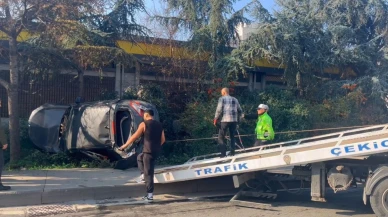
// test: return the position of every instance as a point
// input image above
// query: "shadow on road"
(349, 201)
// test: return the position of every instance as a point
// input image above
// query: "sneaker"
(4, 188)
(146, 198)
(140, 179)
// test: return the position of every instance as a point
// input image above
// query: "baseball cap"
(263, 106)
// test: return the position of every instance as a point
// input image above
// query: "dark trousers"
(260, 142)
(146, 165)
(231, 126)
(1, 163)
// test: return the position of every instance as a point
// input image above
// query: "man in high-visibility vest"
(264, 131)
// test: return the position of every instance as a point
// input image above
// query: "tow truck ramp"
(342, 145)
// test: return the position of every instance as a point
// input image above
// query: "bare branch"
(7, 10)
(4, 83)
(4, 30)
(23, 18)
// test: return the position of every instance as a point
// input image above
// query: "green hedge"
(189, 116)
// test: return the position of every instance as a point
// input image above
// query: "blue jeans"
(231, 126)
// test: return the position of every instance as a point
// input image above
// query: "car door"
(90, 126)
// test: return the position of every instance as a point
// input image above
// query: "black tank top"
(152, 137)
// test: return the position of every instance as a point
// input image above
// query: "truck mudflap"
(374, 178)
(364, 197)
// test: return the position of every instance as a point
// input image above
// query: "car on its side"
(96, 129)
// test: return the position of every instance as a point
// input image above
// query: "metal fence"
(62, 89)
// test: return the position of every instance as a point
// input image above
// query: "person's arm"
(139, 132)
(239, 110)
(218, 111)
(163, 139)
(268, 128)
(251, 116)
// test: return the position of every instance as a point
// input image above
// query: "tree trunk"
(299, 83)
(13, 99)
(137, 75)
(81, 83)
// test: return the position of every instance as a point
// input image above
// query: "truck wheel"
(379, 198)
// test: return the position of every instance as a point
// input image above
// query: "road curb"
(12, 212)
(55, 196)
(112, 204)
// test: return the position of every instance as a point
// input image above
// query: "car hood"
(44, 124)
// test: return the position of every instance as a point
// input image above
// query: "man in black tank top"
(153, 140)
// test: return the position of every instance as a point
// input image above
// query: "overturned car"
(96, 129)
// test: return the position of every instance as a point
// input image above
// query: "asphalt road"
(340, 204)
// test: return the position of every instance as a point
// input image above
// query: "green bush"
(189, 115)
(39, 160)
(31, 158)
(290, 115)
(26, 145)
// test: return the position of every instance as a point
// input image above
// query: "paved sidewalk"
(111, 204)
(59, 186)
(43, 180)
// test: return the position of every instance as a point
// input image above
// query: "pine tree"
(307, 37)
(212, 24)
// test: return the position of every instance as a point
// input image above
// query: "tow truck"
(340, 161)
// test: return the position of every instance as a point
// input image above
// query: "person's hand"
(215, 122)
(5, 146)
(242, 115)
(122, 148)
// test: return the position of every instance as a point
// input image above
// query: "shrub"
(189, 115)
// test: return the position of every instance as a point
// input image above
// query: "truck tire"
(379, 198)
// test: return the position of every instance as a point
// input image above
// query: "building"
(160, 60)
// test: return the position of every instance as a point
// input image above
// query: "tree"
(92, 41)
(358, 31)
(120, 23)
(77, 48)
(212, 25)
(309, 37)
(19, 15)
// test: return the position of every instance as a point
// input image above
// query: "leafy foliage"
(290, 114)
(306, 38)
(37, 160)
(60, 26)
(309, 38)
(33, 159)
(293, 117)
(120, 22)
(213, 27)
